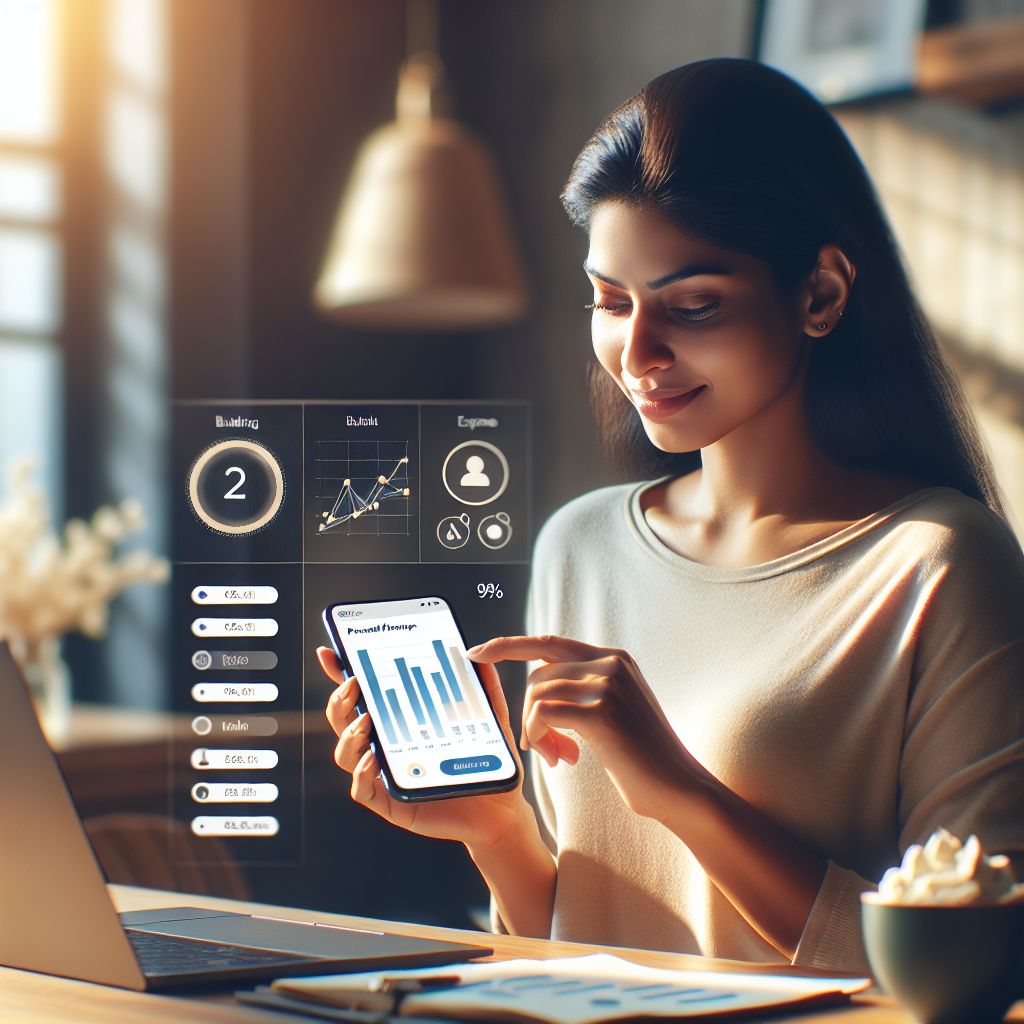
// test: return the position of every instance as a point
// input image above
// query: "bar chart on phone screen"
(362, 487)
(424, 692)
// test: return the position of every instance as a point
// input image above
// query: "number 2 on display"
(241, 480)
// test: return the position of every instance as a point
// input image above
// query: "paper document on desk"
(576, 990)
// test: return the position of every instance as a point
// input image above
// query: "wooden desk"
(27, 998)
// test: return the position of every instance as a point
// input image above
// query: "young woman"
(798, 649)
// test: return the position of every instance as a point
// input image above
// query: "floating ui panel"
(283, 508)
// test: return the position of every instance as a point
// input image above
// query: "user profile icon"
(202, 660)
(475, 475)
(475, 472)
(417, 771)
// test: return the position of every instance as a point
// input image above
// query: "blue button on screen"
(471, 765)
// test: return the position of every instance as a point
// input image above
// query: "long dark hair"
(742, 156)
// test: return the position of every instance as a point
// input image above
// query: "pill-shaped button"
(471, 765)
(203, 758)
(234, 627)
(235, 726)
(234, 692)
(234, 792)
(235, 825)
(234, 595)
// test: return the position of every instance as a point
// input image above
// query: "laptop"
(56, 916)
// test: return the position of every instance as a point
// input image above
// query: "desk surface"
(27, 998)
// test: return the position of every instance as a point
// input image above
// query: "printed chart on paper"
(362, 487)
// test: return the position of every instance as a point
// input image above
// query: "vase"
(49, 682)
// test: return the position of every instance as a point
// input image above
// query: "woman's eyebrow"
(693, 270)
(602, 277)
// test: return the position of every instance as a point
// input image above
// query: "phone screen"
(433, 720)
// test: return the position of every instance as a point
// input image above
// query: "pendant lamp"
(422, 240)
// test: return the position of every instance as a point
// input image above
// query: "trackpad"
(305, 939)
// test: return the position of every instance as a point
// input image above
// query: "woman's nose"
(645, 345)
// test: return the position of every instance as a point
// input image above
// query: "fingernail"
(473, 650)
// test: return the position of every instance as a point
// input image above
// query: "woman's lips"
(653, 406)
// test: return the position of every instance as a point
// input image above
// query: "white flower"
(48, 588)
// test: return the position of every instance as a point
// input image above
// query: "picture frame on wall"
(843, 49)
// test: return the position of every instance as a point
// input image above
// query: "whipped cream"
(946, 873)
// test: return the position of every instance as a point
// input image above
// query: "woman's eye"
(697, 312)
(608, 307)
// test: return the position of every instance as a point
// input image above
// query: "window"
(31, 254)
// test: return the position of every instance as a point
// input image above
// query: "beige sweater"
(861, 692)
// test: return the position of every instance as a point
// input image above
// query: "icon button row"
(494, 531)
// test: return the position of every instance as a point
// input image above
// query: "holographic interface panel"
(282, 508)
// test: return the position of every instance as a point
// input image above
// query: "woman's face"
(698, 337)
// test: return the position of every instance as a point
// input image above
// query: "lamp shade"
(422, 239)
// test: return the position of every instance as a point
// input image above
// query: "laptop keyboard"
(160, 955)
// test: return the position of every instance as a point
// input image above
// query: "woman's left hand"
(600, 694)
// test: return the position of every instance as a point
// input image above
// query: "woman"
(800, 648)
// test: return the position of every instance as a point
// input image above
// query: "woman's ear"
(826, 290)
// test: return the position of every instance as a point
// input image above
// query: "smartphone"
(434, 732)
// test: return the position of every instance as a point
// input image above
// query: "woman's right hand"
(481, 822)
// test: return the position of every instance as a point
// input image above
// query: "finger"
(572, 673)
(353, 744)
(365, 781)
(569, 692)
(496, 695)
(535, 648)
(341, 707)
(587, 692)
(492, 687)
(614, 672)
(554, 746)
(330, 664)
(543, 725)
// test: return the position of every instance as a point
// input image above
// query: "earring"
(823, 326)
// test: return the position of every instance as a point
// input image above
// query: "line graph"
(362, 487)
(351, 505)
